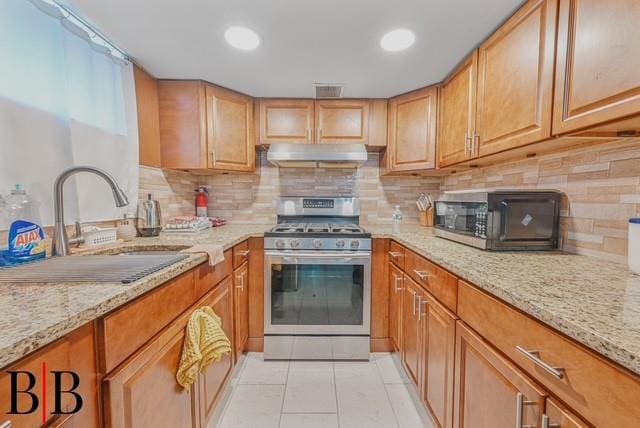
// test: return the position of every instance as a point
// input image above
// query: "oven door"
(317, 293)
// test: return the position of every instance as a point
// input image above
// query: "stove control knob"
(279, 244)
(317, 243)
(355, 245)
(294, 243)
(340, 243)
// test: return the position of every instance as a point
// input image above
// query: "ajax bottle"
(26, 239)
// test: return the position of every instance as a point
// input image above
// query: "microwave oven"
(505, 220)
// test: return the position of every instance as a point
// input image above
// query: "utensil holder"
(426, 218)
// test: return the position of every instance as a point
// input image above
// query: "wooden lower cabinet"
(213, 379)
(411, 331)
(558, 416)
(241, 308)
(143, 391)
(74, 352)
(438, 350)
(395, 306)
(489, 390)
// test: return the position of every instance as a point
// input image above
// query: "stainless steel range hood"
(317, 155)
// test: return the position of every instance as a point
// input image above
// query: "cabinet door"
(241, 298)
(598, 59)
(143, 392)
(395, 305)
(557, 416)
(230, 130)
(490, 391)
(515, 80)
(411, 328)
(456, 114)
(412, 130)
(286, 121)
(214, 378)
(438, 350)
(342, 121)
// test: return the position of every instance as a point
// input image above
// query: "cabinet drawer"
(209, 276)
(240, 254)
(128, 328)
(396, 254)
(434, 279)
(602, 393)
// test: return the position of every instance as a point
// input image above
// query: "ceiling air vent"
(328, 90)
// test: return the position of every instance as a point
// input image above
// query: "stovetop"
(312, 227)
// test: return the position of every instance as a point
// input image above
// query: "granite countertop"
(593, 301)
(34, 315)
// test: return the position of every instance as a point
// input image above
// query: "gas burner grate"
(346, 228)
(289, 228)
(317, 228)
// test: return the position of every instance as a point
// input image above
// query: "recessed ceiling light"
(397, 40)
(242, 38)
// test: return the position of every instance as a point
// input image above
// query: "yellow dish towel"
(205, 341)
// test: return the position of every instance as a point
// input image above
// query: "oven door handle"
(298, 258)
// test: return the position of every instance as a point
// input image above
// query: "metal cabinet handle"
(421, 274)
(414, 299)
(520, 403)
(546, 422)
(319, 134)
(394, 254)
(419, 308)
(424, 303)
(308, 135)
(213, 157)
(240, 279)
(467, 144)
(397, 279)
(244, 253)
(557, 372)
(6, 424)
(475, 144)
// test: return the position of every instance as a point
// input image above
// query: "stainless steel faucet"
(60, 245)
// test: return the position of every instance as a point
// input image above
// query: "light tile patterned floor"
(322, 394)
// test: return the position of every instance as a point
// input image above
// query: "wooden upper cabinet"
(515, 80)
(230, 131)
(456, 114)
(342, 121)
(204, 127)
(183, 120)
(148, 117)
(286, 121)
(411, 143)
(489, 390)
(598, 58)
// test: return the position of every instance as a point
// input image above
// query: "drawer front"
(209, 276)
(434, 279)
(602, 393)
(396, 254)
(128, 328)
(240, 254)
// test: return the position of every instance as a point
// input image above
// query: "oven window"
(317, 294)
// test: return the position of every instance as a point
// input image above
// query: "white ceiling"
(303, 41)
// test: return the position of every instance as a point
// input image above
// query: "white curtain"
(64, 101)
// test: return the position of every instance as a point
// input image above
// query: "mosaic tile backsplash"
(601, 184)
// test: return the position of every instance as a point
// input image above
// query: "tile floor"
(326, 394)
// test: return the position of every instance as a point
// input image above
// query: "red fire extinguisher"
(202, 201)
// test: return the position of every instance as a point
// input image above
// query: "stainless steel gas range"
(317, 281)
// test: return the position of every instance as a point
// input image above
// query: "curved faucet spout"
(60, 245)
